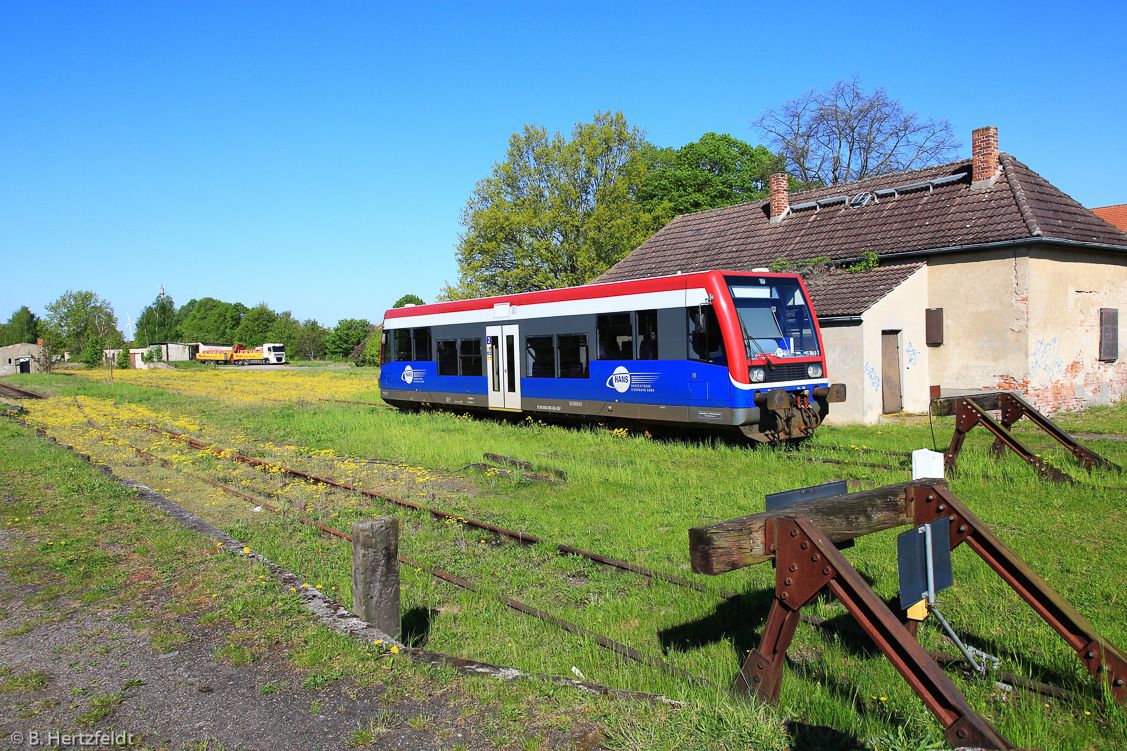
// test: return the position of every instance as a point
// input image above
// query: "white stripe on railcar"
(676, 298)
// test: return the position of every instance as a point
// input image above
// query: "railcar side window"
(573, 355)
(422, 344)
(447, 357)
(647, 334)
(385, 347)
(706, 341)
(469, 353)
(540, 357)
(615, 333)
(402, 344)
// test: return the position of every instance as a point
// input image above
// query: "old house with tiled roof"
(989, 278)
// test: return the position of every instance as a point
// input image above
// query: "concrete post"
(375, 573)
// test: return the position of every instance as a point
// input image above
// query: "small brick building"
(989, 278)
(20, 358)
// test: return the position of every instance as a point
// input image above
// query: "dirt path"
(93, 658)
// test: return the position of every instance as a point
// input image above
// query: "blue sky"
(317, 156)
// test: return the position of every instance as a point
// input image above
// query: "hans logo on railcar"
(619, 380)
(622, 380)
(413, 375)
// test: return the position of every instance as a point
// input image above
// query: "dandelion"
(394, 650)
(246, 550)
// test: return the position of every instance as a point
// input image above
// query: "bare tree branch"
(845, 133)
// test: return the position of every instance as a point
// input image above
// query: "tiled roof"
(1021, 205)
(851, 294)
(1115, 215)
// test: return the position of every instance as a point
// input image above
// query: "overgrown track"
(12, 392)
(606, 643)
(525, 539)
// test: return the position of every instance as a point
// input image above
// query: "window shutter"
(1109, 334)
(933, 326)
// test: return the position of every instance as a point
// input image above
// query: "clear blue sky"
(317, 156)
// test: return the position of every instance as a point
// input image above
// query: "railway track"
(13, 392)
(526, 539)
(603, 641)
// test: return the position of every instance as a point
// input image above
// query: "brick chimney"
(985, 151)
(780, 200)
(39, 342)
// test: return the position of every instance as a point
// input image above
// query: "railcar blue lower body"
(660, 392)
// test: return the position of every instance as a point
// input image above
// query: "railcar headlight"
(814, 370)
(758, 375)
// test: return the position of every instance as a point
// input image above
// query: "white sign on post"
(926, 463)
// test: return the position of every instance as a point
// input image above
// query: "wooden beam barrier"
(945, 407)
(726, 546)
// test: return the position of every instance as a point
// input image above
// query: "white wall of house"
(854, 354)
(844, 345)
(1027, 320)
(1067, 289)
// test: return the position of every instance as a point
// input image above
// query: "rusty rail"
(19, 393)
(520, 537)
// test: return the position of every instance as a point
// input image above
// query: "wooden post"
(375, 573)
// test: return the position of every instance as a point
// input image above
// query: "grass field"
(632, 498)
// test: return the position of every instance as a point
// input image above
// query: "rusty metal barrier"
(970, 411)
(800, 539)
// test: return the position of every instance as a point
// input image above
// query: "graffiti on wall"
(845, 359)
(911, 353)
(991, 343)
(873, 375)
(1045, 360)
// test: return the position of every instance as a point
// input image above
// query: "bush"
(123, 360)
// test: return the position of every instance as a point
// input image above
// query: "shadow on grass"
(415, 626)
(805, 737)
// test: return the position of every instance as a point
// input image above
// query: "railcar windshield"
(775, 317)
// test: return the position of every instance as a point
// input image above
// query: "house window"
(1109, 334)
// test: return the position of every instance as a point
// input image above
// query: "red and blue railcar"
(715, 349)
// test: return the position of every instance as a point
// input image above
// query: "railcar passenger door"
(502, 366)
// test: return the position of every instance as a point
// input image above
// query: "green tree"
(158, 322)
(123, 359)
(718, 170)
(20, 328)
(285, 330)
(412, 299)
(255, 326)
(79, 317)
(311, 340)
(211, 321)
(344, 337)
(556, 212)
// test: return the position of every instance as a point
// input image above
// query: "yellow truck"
(267, 354)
